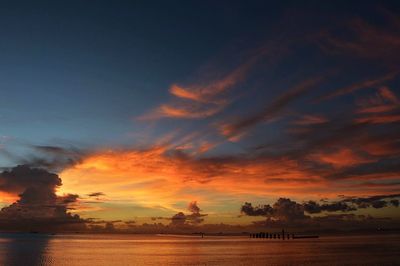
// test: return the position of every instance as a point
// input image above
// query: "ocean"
(94, 250)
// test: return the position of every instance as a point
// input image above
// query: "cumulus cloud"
(395, 202)
(178, 219)
(314, 207)
(262, 210)
(377, 201)
(195, 218)
(21, 177)
(38, 206)
(130, 223)
(283, 209)
(288, 211)
(192, 207)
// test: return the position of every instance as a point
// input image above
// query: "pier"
(282, 235)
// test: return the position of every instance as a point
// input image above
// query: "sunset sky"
(200, 112)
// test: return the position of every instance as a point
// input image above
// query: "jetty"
(282, 235)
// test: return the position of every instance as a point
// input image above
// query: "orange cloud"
(209, 96)
(387, 94)
(7, 198)
(209, 93)
(377, 109)
(185, 111)
(343, 157)
(379, 119)
(160, 178)
(383, 101)
(151, 177)
(380, 148)
(201, 100)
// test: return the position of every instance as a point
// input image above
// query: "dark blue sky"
(81, 72)
(85, 74)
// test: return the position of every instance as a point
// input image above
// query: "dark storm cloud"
(19, 178)
(38, 205)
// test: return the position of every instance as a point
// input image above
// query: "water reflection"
(105, 250)
(24, 249)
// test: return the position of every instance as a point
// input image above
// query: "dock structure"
(282, 235)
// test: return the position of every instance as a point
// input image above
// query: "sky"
(179, 115)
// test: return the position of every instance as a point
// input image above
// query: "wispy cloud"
(367, 41)
(202, 100)
(368, 83)
(271, 111)
(210, 96)
(311, 120)
(381, 108)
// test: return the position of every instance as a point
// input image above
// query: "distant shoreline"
(196, 235)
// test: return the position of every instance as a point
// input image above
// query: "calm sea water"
(93, 250)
